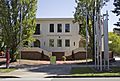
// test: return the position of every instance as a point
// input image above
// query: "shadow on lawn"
(9, 77)
(58, 69)
(81, 76)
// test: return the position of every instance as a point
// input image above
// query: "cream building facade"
(57, 35)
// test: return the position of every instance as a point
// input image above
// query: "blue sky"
(65, 8)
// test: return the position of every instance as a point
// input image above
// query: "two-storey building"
(60, 36)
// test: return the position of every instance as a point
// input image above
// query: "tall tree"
(13, 13)
(80, 17)
(117, 11)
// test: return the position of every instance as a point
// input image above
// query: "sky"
(66, 9)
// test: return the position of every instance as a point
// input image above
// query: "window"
(80, 25)
(51, 42)
(59, 27)
(25, 43)
(51, 27)
(74, 43)
(67, 43)
(37, 43)
(59, 43)
(37, 30)
(67, 27)
(44, 43)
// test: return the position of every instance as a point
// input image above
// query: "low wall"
(34, 55)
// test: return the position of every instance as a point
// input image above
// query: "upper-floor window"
(80, 26)
(51, 42)
(51, 27)
(59, 43)
(67, 27)
(67, 43)
(59, 27)
(37, 29)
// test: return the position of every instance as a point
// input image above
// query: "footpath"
(43, 69)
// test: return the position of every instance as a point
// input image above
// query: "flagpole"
(86, 34)
(20, 48)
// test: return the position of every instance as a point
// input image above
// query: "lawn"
(5, 70)
(87, 71)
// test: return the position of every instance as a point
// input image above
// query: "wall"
(46, 35)
(34, 55)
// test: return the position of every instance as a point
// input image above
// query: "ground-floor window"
(74, 43)
(67, 43)
(51, 43)
(37, 43)
(59, 43)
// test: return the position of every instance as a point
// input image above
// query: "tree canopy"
(114, 44)
(117, 11)
(17, 15)
(89, 7)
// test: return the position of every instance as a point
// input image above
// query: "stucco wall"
(45, 35)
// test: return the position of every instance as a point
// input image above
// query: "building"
(57, 36)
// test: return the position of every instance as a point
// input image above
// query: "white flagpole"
(86, 34)
(20, 33)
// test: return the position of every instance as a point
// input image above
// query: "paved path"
(43, 70)
(40, 71)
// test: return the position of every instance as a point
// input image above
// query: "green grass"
(87, 71)
(4, 70)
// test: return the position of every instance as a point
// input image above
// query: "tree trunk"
(13, 55)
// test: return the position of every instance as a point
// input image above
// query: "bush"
(64, 58)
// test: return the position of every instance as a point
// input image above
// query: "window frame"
(50, 25)
(58, 28)
(67, 44)
(37, 29)
(51, 42)
(67, 31)
(59, 45)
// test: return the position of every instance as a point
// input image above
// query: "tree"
(117, 10)
(80, 17)
(13, 13)
(115, 43)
